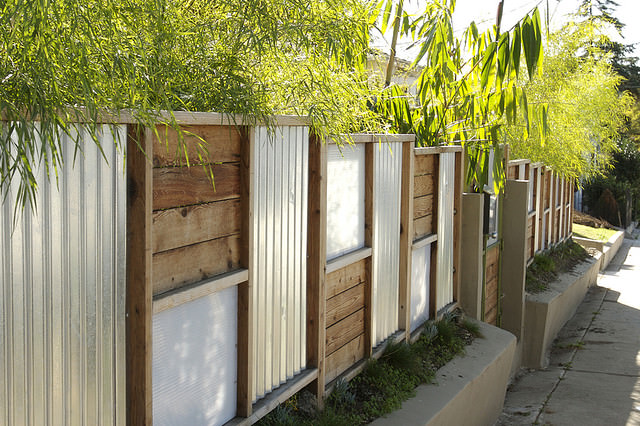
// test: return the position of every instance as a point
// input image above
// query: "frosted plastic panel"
(444, 292)
(278, 272)
(420, 272)
(62, 286)
(195, 361)
(345, 199)
(387, 171)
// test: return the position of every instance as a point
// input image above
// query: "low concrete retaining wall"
(547, 312)
(607, 248)
(470, 389)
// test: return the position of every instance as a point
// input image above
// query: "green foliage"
(547, 265)
(468, 84)
(586, 111)
(584, 231)
(64, 61)
(384, 383)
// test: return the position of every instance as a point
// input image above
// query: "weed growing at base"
(384, 383)
(546, 266)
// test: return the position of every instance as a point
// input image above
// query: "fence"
(303, 261)
(547, 223)
(549, 205)
(62, 292)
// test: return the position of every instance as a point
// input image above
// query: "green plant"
(471, 326)
(547, 265)
(69, 61)
(468, 84)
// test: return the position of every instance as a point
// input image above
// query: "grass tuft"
(384, 383)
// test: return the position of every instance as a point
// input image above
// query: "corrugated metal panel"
(444, 292)
(195, 361)
(420, 280)
(345, 199)
(530, 202)
(279, 265)
(387, 172)
(62, 282)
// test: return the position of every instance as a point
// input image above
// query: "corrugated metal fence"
(62, 287)
(279, 267)
(387, 171)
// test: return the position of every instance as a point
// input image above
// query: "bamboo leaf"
(488, 64)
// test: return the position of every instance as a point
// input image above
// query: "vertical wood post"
(317, 263)
(369, 193)
(406, 238)
(433, 269)
(457, 225)
(139, 293)
(245, 290)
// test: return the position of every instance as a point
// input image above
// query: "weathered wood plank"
(423, 226)
(185, 226)
(174, 268)
(343, 358)
(345, 278)
(139, 301)
(344, 304)
(344, 331)
(221, 142)
(491, 316)
(423, 185)
(422, 206)
(492, 254)
(184, 186)
(424, 165)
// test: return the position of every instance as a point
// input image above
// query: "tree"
(468, 85)
(64, 61)
(586, 110)
(601, 12)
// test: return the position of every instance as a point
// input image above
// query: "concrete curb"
(470, 389)
(607, 248)
(547, 312)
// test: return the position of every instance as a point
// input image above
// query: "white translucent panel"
(444, 290)
(345, 199)
(195, 361)
(420, 280)
(387, 171)
(278, 271)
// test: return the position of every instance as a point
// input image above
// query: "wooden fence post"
(245, 290)
(369, 202)
(317, 263)
(406, 238)
(139, 293)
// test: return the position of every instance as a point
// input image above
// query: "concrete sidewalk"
(593, 376)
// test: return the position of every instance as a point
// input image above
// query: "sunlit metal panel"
(62, 282)
(446, 181)
(279, 267)
(387, 172)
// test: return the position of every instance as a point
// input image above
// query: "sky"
(483, 12)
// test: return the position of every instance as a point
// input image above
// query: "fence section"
(387, 172)
(278, 270)
(62, 289)
(230, 305)
(549, 205)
